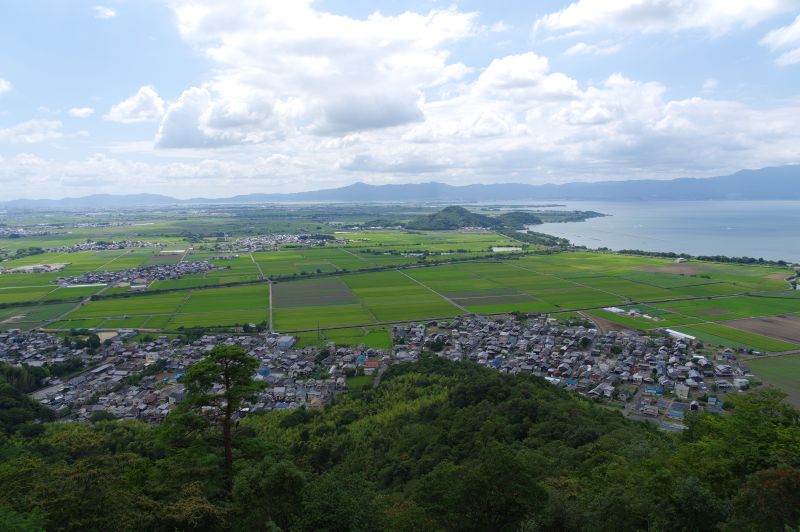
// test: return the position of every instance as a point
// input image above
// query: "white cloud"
(285, 68)
(649, 16)
(103, 12)
(31, 132)
(81, 112)
(144, 106)
(5, 86)
(602, 48)
(786, 39)
(303, 99)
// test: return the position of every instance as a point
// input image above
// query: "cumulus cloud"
(81, 112)
(5, 86)
(286, 68)
(103, 12)
(787, 40)
(649, 16)
(144, 106)
(31, 132)
(300, 99)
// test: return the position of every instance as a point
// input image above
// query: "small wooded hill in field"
(457, 217)
(438, 445)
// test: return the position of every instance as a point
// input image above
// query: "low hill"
(453, 218)
(519, 219)
(457, 217)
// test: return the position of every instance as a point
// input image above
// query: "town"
(273, 241)
(130, 376)
(140, 276)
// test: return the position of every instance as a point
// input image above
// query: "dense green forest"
(453, 218)
(437, 446)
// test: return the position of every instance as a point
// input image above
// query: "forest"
(436, 446)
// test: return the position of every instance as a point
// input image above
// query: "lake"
(768, 229)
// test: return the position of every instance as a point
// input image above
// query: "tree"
(222, 381)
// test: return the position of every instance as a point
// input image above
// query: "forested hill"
(455, 217)
(437, 446)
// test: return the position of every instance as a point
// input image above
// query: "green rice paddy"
(328, 288)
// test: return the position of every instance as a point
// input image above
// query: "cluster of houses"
(141, 276)
(28, 230)
(271, 242)
(133, 379)
(90, 245)
(656, 377)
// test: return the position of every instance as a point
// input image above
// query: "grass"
(782, 372)
(375, 337)
(360, 382)
(289, 319)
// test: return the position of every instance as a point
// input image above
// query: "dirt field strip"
(269, 284)
(604, 325)
(423, 285)
(260, 271)
(13, 319)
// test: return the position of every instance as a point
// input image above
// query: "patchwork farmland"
(365, 279)
(321, 288)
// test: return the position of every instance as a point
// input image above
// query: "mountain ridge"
(771, 183)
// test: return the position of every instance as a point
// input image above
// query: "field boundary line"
(271, 328)
(362, 259)
(258, 266)
(465, 309)
(624, 298)
(112, 260)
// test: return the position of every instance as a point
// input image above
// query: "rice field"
(695, 297)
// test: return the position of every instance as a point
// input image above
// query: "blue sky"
(204, 98)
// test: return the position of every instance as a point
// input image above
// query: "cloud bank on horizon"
(199, 97)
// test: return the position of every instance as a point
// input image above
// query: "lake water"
(768, 229)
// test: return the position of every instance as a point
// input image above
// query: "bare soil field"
(715, 312)
(685, 269)
(782, 327)
(777, 275)
(604, 325)
(12, 319)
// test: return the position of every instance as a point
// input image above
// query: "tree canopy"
(438, 445)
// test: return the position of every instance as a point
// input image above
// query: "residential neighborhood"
(141, 275)
(657, 378)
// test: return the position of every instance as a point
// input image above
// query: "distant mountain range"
(776, 183)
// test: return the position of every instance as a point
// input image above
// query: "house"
(682, 391)
(285, 342)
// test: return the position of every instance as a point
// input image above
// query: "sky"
(214, 98)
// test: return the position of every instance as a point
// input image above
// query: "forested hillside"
(437, 446)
